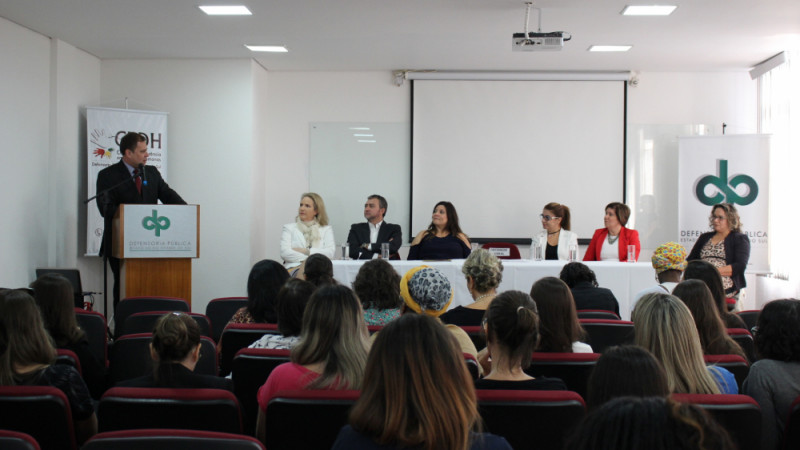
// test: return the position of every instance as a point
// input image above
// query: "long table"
(624, 279)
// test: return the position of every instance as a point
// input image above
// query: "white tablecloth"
(624, 279)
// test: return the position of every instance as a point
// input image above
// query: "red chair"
(193, 409)
(288, 412)
(573, 369)
(745, 340)
(41, 411)
(503, 250)
(740, 415)
(171, 439)
(531, 419)
(219, 312)
(143, 322)
(472, 366)
(250, 369)
(13, 440)
(64, 356)
(374, 329)
(597, 314)
(476, 335)
(131, 305)
(130, 357)
(237, 336)
(604, 333)
(96, 328)
(734, 363)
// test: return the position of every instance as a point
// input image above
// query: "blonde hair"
(485, 269)
(664, 326)
(319, 205)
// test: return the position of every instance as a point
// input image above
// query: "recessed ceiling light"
(267, 48)
(226, 10)
(648, 10)
(610, 48)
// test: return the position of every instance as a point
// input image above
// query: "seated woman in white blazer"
(309, 234)
(555, 237)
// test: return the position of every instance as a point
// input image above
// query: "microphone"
(144, 174)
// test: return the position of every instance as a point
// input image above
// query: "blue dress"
(725, 380)
(438, 248)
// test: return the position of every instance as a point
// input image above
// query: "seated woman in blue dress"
(443, 239)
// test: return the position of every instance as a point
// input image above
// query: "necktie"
(138, 180)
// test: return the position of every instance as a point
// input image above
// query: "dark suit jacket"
(589, 297)
(155, 190)
(359, 234)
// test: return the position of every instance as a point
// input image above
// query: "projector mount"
(538, 41)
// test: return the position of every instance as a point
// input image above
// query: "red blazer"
(626, 237)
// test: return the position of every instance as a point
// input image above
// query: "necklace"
(611, 241)
(480, 297)
(554, 232)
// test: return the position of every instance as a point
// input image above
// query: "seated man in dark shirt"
(583, 284)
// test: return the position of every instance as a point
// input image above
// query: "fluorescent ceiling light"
(610, 48)
(226, 10)
(363, 135)
(362, 140)
(267, 48)
(648, 10)
(359, 128)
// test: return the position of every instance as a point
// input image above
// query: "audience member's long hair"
(778, 333)
(706, 272)
(558, 321)
(664, 326)
(53, 293)
(291, 304)
(265, 280)
(453, 228)
(513, 325)
(377, 285)
(318, 270)
(23, 338)
(334, 333)
(417, 392)
(652, 423)
(713, 337)
(626, 371)
(175, 336)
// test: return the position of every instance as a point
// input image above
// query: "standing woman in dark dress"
(443, 239)
(727, 248)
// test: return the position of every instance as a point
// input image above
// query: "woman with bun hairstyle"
(611, 242)
(483, 272)
(555, 237)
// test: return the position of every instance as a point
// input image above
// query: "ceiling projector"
(535, 42)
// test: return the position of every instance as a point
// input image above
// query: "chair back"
(171, 439)
(745, 340)
(531, 419)
(42, 412)
(604, 333)
(472, 366)
(791, 435)
(130, 357)
(740, 415)
(68, 357)
(237, 336)
(132, 305)
(144, 322)
(750, 317)
(14, 440)
(734, 363)
(250, 369)
(476, 335)
(287, 418)
(219, 312)
(94, 325)
(193, 409)
(374, 329)
(597, 314)
(503, 250)
(573, 369)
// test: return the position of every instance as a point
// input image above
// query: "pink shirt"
(287, 376)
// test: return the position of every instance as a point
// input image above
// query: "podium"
(155, 245)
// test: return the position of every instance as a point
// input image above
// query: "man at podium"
(129, 181)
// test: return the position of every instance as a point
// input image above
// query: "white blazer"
(565, 238)
(293, 238)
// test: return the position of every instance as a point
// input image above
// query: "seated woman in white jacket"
(555, 237)
(309, 234)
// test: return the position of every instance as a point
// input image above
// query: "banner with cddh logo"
(725, 169)
(104, 128)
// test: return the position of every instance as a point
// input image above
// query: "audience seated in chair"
(669, 261)
(586, 292)
(290, 305)
(265, 280)
(483, 272)
(626, 371)
(377, 285)
(317, 270)
(708, 274)
(560, 329)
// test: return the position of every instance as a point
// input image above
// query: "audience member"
(317, 270)
(417, 393)
(28, 359)
(611, 242)
(377, 285)
(443, 239)
(664, 326)
(626, 371)
(713, 337)
(290, 304)
(53, 293)
(265, 280)
(587, 294)
(669, 261)
(555, 238)
(560, 329)
(512, 333)
(484, 272)
(707, 273)
(308, 234)
(774, 380)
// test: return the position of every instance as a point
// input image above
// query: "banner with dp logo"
(725, 169)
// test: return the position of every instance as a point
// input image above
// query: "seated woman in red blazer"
(611, 243)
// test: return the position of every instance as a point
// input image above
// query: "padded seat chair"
(237, 336)
(734, 363)
(740, 415)
(143, 322)
(130, 357)
(14, 440)
(132, 305)
(573, 369)
(171, 439)
(64, 356)
(40, 411)
(791, 435)
(745, 340)
(476, 335)
(472, 366)
(96, 328)
(597, 314)
(193, 409)
(750, 317)
(604, 333)
(374, 329)
(503, 250)
(531, 419)
(288, 413)
(219, 312)
(250, 369)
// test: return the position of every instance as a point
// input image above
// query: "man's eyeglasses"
(547, 218)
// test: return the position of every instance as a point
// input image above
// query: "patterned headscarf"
(426, 290)
(670, 256)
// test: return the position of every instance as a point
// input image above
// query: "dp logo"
(155, 222)
(726, 189)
